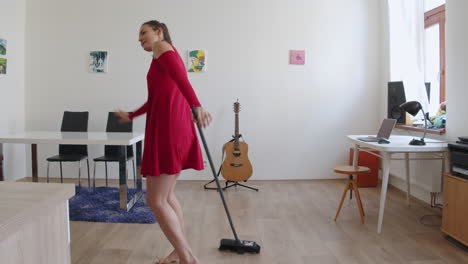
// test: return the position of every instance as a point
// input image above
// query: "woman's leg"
(158, 191)
(174, 203)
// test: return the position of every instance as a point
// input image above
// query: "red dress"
(171, 143)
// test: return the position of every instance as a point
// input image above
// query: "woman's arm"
(177, 71)
(170, 61)
(142, 110)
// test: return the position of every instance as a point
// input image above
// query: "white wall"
(12, 28)
(294, 118)
(457, 79)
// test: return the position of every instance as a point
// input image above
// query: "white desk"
(34, 223)
(87, 138)
(398, 144)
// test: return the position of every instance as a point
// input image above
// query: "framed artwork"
(3, 46)
(196, 61)
(98, 61)
(3, 66)
(297, 57)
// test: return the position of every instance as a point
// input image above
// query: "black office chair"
(72, 122)
(112, 153)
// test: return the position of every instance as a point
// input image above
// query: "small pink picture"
(297, 57)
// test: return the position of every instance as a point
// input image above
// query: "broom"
(235, 245)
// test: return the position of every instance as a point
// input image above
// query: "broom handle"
(216, 178)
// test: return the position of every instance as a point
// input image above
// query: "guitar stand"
(212, 188)
(227, 184)
(238, 184)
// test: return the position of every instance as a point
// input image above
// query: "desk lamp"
(413, 108)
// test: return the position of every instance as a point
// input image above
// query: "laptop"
(384, 131)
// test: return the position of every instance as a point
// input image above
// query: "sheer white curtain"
(406, 20)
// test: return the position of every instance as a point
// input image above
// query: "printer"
(459, 157)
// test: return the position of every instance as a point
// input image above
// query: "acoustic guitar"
(236, 166)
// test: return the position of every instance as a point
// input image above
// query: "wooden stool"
(351, 185)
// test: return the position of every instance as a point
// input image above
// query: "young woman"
(171, 142)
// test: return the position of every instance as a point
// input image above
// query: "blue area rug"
(102, 205)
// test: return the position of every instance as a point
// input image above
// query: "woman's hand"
(123, 116)
(201, 117)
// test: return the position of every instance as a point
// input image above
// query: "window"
(431, 4)
(434, 42)
(417, 50)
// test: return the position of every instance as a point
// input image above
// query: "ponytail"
(154, 24)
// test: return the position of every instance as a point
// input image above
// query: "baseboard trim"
(417, 191)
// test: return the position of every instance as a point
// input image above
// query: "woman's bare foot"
(172, 258)
(194, 260)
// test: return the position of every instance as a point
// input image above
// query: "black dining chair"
(112, 153)
(72, 122)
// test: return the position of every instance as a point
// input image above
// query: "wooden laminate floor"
(291, 220)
